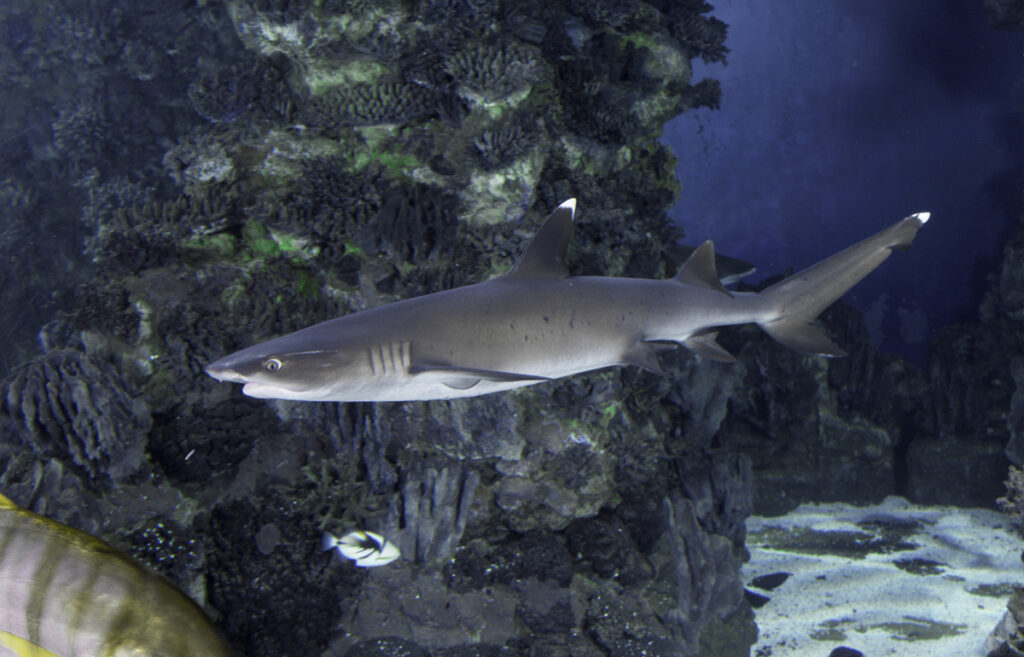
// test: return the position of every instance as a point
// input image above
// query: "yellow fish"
(64, 593)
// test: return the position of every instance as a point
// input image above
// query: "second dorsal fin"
(545, 255)
(699, 269)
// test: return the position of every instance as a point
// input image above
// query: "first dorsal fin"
(699, 269)
(545, 255)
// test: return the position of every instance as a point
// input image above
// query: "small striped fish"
(64, 593)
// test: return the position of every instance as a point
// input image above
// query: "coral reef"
(79, 410)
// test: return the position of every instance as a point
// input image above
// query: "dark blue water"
(839, 118)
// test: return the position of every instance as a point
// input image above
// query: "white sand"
(871, 605)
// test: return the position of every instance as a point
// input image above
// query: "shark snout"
(222, 371)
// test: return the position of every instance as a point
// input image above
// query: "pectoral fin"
(464, 378)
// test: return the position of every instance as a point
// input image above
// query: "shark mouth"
(270, 391)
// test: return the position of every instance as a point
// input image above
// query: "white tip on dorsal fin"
(545, 255)
(923, 217)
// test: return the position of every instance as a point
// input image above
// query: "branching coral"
(494, 72)
(135, 231)
(499, 143)
(703, 36)
(416, 222)
(249, 90)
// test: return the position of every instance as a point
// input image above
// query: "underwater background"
(180, 180)
(865, 110)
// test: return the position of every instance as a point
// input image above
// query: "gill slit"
(390, 358)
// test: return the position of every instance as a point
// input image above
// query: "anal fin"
(704, 344)
(645, 356)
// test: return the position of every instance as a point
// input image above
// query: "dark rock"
(755, 599)
(604, 545)
(770, 582)
(1007, 639)
(720, 485)
(546, 608)
(192, 449)
(920, 566)
(972, 383)
(436, 496)
(1005, 14)
(416, 223)
(622, 623)
(534, 555)
(264, 599)
(696, 569)
(386, 647)
(956, 473)
(843, 651)
(476, 650)
(801, 445)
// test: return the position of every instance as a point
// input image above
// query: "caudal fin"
(796, 301)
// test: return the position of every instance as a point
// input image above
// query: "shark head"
(287, 369)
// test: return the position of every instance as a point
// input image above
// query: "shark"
(538, 323)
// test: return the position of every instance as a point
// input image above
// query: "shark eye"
(272, 365)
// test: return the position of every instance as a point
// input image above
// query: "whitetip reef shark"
(538, 323)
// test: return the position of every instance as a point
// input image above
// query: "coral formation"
(79, 410)
(250, 91)
(370, 104)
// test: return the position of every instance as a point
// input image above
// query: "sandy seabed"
(889, 579)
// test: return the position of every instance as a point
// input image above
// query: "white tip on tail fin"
(569, 205)
(799, 299)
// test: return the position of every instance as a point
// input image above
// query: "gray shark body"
(538, 323)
